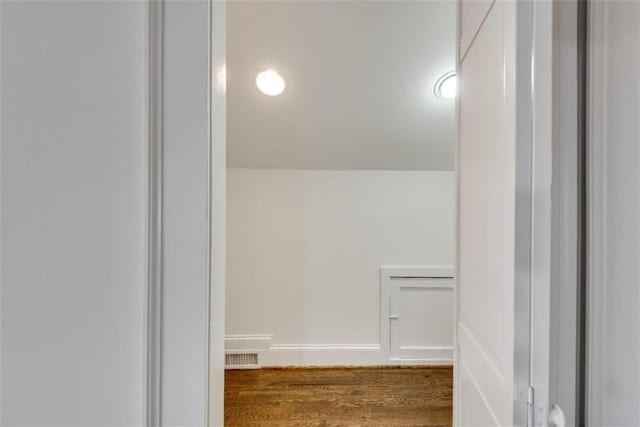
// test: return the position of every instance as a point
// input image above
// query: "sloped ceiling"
(359, 84)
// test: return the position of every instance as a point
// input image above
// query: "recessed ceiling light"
(446, 86)
(270, 83)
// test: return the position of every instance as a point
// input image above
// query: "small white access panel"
(417, 314)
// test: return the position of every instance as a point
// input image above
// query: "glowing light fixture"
(446, 86)
(270, 83)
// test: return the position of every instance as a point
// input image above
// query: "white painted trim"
(210, 290)
(456, 236)
(1, 237)
(562, 351)
(163, 14)
(154, 303)
(369, 354)
(337, 355)
(597, 211)
(541, 221)
(329, 354)
(425, 354)
(325, 347)
(217, 171)
(519, 97)
(322, 355)
(247, 343)
(304, 354)
(426, 272)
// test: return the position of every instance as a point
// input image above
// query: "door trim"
(155, 249)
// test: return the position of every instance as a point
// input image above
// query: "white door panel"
(486, 212)
(494, 223)
(472, 14)
(476, 411)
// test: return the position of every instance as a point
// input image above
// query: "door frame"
(185, 289)
(533, 251)
(217, 210)
(557, 245)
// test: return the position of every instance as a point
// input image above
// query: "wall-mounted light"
(446, 86)
(270, 83)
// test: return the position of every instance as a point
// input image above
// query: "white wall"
(75, 82)
(73, 212)
(305, 249)
(613, 357)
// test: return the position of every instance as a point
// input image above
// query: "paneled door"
(494, 213)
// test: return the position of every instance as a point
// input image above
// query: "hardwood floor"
(411, 396)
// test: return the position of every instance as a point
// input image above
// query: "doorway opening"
(340, 291)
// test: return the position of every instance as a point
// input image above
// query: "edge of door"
(154, 303)
(217, 168)
(456, 347)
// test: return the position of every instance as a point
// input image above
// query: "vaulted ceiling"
(359, 84)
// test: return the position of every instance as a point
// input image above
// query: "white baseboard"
(327, 354)
(341, 355)
(323, 355)
(238, 343)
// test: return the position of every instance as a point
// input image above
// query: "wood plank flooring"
(411, 396)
